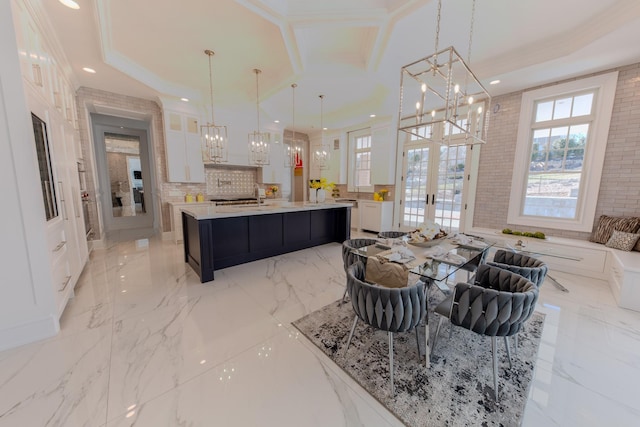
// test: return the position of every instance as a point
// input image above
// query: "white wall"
(27, 308)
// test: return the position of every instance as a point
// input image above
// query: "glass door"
(434, 185)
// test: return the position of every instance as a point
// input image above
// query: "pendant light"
(293, 151)
(214, 138)
(259, 142)
(441, 100)
(322, 155)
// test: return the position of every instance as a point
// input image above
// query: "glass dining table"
(435, 264)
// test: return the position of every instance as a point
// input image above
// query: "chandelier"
(214, 138)
(259, 142)
(441, 100)
(292, 150)
(322, 155)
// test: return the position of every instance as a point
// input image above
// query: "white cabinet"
(375, 216)
(383, 155)
(176, 216)
(184, 152)
(355, 218)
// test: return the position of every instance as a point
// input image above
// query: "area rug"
(458, 388)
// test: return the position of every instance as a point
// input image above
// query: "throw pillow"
(387, 274)
(607, 224)
(623, 241)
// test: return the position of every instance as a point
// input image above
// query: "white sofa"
(621, 269)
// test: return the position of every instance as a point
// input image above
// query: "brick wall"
(620, 185)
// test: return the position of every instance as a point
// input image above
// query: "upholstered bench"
(621, 269)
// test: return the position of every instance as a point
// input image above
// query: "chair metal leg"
(417, 342)
(344, 296)
(435, 338)
(353, 328)
(494, 351)
(506, 343)
(393, 390)
(516, 343)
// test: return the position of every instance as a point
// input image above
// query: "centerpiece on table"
(318, 190)
(427, 234)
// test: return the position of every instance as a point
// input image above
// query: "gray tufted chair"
(528, 267)
(348, 257)
(388, 309)
(496, 305)
(391, 234)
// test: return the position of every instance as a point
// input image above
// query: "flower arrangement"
(321, 184)
(274, 190)
(426, 231)
(381, 195)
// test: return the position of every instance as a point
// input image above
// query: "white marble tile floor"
(144, 343)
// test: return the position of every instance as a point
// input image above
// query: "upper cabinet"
(383, 155)
(184, 152)
(42, 71)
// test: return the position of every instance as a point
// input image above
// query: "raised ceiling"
(349, 50)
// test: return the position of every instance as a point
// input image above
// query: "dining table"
(432, 262)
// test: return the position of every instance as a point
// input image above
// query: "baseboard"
(28, 332)
(167, 235)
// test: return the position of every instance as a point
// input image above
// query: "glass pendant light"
(214, 138)
(322, 155)
(293, 151)
(259, 142)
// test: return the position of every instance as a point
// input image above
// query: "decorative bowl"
(427, 243)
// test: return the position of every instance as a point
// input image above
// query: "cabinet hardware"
(60, 246)
(37, 74)
(67, 279)
(64, 203)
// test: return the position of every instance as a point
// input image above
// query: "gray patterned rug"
(458, 388)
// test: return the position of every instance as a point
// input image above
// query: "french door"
(435, 185)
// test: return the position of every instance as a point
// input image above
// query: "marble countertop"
(213, 212)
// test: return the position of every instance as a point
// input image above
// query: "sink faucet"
(257, 190)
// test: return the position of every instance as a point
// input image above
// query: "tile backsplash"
(231, 182)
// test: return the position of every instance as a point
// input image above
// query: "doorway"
(124, 173)
(437, 184)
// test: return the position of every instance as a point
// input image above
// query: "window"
(360, 143)
(560, 149)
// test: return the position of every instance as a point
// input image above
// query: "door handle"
(433, 199)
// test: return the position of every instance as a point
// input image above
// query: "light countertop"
(214, 212)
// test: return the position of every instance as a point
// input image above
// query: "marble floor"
(144, 343)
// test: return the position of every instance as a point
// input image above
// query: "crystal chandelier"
(214, 138)
(322, 155)
(259, 142)
(292, 150)
(441, 100)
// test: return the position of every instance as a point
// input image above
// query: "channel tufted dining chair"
(496, 306)
(526, 266)
(388, 309)
(348, 257)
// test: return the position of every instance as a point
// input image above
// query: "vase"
(321, 195)
(312, 195)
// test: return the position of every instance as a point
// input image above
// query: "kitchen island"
(217, 237)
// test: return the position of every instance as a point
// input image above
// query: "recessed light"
(184, 99)
(276, 121)
(70, 4)
(494, 82)
(372, 115)
(89, 70)
(325, 128)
